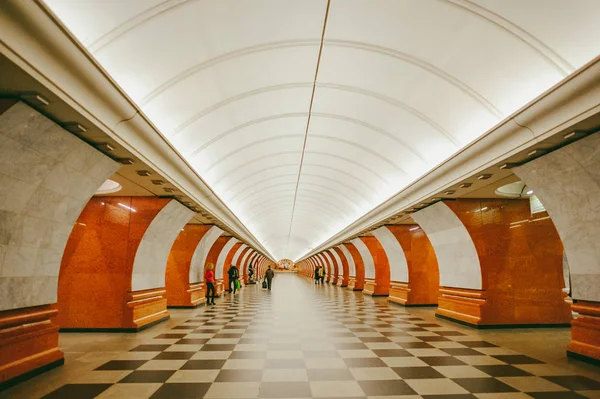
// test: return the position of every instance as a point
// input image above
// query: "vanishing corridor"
(306, 341)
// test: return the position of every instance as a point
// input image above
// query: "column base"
(145, 308)
(195, 296)
(460, 304)
(218, 288)
(401, 293)
(373, 289)
(585, 332)
(28, 343)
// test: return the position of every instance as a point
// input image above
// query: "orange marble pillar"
(180, 292)
(343, 282)
(521, 260)
(357, 282)
(28, 343)
(95, 280)
(585, 332)
(380, 285)
(213, 255)
(422, 287)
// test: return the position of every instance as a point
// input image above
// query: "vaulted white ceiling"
(301, 141)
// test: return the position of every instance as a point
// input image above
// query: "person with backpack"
(234, 275)
(269, 274)
(209, 279)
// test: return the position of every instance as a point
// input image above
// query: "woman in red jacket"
(209, 279)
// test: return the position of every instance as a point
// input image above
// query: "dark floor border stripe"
(583, 358)
(30, 374)
(114, 330)
(501, 326)
(187, 307)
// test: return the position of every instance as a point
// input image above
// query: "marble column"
(567, 182)
(47, 176)
(113, 270)
(181, 293)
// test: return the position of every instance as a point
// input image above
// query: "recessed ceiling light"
(35, 99)
(465, 185)
(158, 182)
(569, 135)
(484, 176)
(74, 127)
(534, 152)
(143, 172)
(105, 147)
(529, 192)
(168, 189)
(126, 161)
(449, 192)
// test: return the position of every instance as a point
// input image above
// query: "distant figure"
(250, 272)
(317, 275)
(209, 279)
(269, 274)
(233, 274)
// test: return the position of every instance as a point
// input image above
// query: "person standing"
(269, 274)
(317, 275)
(209, 279)
(233, 274)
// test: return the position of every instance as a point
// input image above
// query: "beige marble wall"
(47, 176)
(366, 256)
(567, 182)
(334, 255)
(200, 254)
(221, 259)
(394, 252)
(350, 260)
(150, 263)
(456, 254)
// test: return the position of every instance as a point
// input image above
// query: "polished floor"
(305, 341)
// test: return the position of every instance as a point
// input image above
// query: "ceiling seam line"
(312, 98)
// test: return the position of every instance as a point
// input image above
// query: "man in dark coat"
(233, 274)
(269, 274)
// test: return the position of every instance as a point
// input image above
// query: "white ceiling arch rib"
(325, 108)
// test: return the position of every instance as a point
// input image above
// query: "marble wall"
(201, 253)
(456, 255)
(334, 266)
(323, 262)
(567, 182)
(47, 176)
(177, 278)
(350, 260)
(223, 255)
(366, 256)
(149, 266)
(238, 254)
(395, 254)
(338, 261)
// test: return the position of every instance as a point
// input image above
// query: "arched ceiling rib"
(401, 85)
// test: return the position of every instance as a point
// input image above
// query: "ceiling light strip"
(312, 97)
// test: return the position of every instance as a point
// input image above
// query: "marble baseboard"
(28, 342)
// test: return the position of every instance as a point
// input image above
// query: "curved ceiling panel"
(304, 115)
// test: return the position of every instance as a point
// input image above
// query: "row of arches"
(493, 262)
(70, 260)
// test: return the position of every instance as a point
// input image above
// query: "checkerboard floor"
(300, 341)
